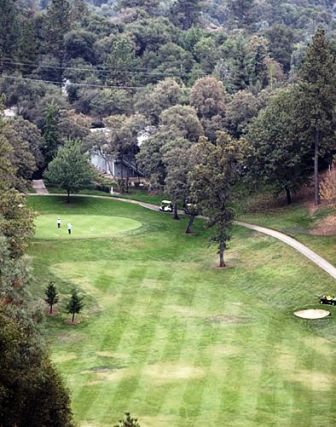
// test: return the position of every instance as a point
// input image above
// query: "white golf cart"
(166, 206)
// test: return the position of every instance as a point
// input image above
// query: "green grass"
(83, 226)
(134, 194)
(297, 221)
(175, 340)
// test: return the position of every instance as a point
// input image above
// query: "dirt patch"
(64, 357)
(325, 227)
(316, 381)
(228, 319)
(106, 374)
(320, 345)
(180, 310)
(74, 323)
(224, 350)
(286, 361)
(311, 207)
(104, 354)
(167, 372)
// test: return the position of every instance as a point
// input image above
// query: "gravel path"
(304, 250)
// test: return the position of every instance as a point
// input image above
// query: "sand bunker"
(312, 314)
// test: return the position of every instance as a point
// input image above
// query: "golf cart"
(327, 299)
(166, 206)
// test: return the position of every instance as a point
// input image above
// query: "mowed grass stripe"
(188, 371)
(214, 360)
(115, 334)
(147, 325)
(149, 383)
(172, 326)
(130, 334)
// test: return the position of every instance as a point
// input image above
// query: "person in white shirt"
(58, 222)
(69, 226)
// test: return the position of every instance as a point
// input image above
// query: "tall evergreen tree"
(58, 23)
(75, 304)
(51, 296)
(317, 99)
(9, 32)
(186, 13)
(50, 132)
(216, 170)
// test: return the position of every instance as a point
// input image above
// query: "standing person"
(58, 221)
(69, 226)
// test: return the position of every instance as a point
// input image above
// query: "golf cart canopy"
(166, 202)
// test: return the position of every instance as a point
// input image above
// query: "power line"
(77, 84)
(104, 69)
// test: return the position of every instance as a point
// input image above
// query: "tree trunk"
(221, 255)
(50, 309)
(288, 195)
(190, 224)
(73, 317)
(316, 171)
(122, 175)
(127, 180)
(68, 197)
(175, 211)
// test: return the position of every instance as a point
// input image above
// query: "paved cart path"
(300, 247)
(39, 187)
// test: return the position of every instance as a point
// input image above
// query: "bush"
(328, 185)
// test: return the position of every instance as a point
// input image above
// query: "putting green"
(83, 226)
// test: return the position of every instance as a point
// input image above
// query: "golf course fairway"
(170, 337)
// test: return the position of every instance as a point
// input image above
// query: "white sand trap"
(312, 314)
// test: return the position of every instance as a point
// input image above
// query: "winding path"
(300, 247)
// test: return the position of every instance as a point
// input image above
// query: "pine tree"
(51, 296)
(216, 170)
(317, 100)
(9, 32)
(58, 23)
(75, 304)
(50, 133)
(186, 13)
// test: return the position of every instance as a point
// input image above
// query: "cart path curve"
(290, 241)
(300, 247)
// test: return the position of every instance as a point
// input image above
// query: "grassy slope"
(178, 342)
(297, 222)
(135, 194)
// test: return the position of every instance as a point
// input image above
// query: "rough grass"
(297, 221)
(175, 340)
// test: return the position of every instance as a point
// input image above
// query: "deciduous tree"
(279, 157)
(70, 169)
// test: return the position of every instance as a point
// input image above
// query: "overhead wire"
(104, 69)
(76, 84)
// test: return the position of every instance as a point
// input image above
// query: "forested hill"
(188, 68)
(253, 14)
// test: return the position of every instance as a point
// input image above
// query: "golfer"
(58, 222)
(69, 226)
